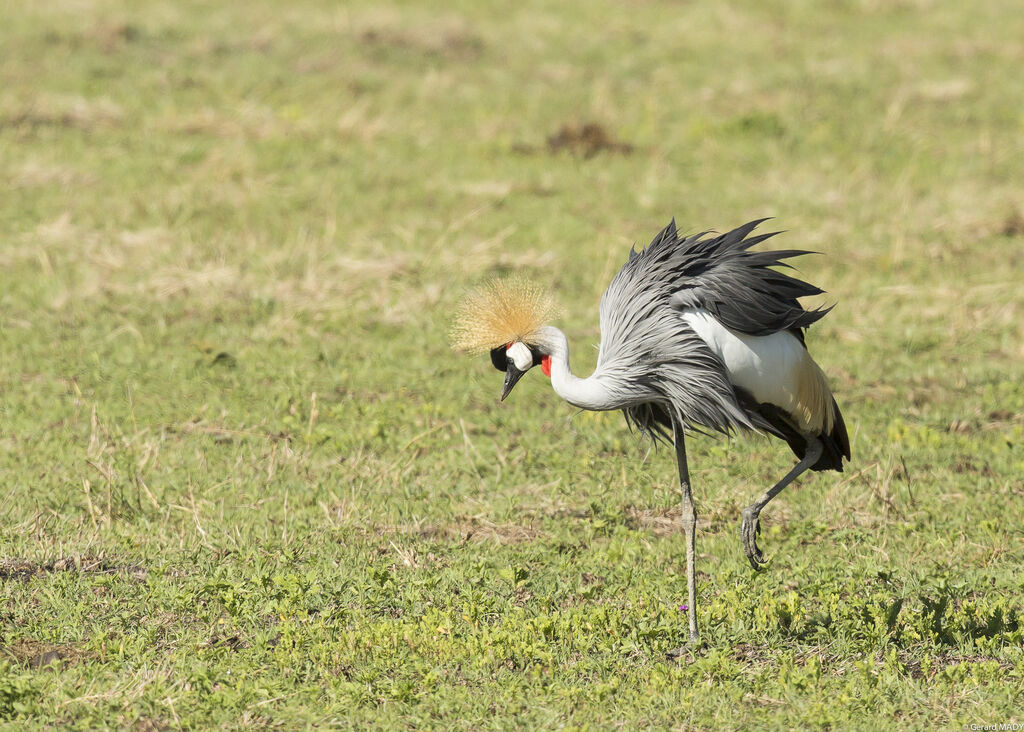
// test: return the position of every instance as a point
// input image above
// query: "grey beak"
(512, 375)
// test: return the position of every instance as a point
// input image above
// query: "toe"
(689, 649)
(751, 528)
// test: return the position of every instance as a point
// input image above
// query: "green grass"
(248, 484)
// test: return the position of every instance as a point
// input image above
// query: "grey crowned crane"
(697, 334)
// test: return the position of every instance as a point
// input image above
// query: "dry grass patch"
(659, 521)
(249, 121)
(67, 112)
(38, 654)
(467, 529)
(23, 569)
(36, 173)
(450, 43)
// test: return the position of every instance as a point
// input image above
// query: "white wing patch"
(774, 369)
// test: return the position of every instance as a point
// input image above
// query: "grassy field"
(247, 483)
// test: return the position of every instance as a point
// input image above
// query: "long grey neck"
(589, 393)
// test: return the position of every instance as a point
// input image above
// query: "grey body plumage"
(663, 368)
(697, 334)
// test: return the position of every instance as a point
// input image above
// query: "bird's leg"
(751, 523)
(689, 520)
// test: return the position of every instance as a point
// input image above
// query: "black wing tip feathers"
(837, 444)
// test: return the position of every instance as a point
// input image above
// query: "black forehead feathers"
(499, 358)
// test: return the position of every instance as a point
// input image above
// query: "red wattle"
(545, 365)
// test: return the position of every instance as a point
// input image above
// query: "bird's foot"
(690, 648)
(748, 535)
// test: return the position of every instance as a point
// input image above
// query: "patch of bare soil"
(586, 140)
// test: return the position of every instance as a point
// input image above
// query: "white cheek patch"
(521, 356)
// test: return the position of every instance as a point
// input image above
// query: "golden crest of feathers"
(499, 312)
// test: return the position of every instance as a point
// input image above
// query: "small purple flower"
(683, 607)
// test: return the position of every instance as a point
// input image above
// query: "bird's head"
(507, 318)
(515, 359)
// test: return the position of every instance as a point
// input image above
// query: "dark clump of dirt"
(22, 569)
(37, 654)
(1013, 225)
(968, 465)
(586, 140)
(233, 641)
